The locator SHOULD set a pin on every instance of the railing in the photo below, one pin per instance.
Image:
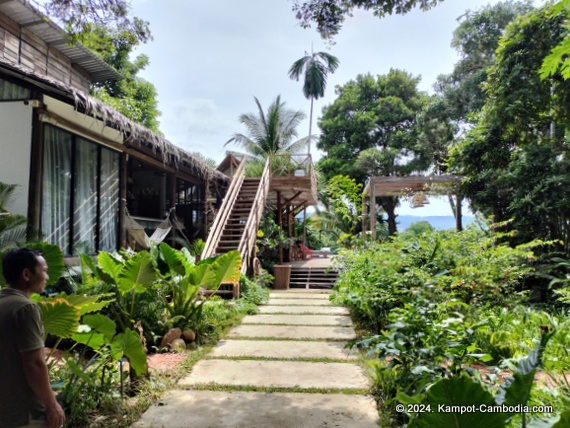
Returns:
(247, 242)
(223, 214)
(295, 165)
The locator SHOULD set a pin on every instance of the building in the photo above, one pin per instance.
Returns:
(83, 169)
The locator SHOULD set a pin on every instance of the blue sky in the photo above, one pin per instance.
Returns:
(209, 59)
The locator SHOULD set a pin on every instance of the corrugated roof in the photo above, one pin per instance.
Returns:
(30, 18)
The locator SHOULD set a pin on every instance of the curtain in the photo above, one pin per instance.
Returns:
(10, 91)
(89, 172)
(109, 196)
(85, 197)
(56, 190)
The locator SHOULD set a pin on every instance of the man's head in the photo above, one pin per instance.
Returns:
(25, 269)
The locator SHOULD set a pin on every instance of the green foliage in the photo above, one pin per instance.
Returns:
(373, 113)
(270, 132)
(418, 228)
(12, 227)
(132, 96)
(182, 282)
(343, 200)
(329, 15)
(558, 60)
(515, 158)
(315, 68)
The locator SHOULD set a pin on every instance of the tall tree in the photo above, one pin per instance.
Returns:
(329, 15)
(517, 158)
(373, 120)
(476, 40)
(272, 132)
(132, 96)
(315, 68)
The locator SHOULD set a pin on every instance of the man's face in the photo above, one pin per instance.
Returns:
(38, 277)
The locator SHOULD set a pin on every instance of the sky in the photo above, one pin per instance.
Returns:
(209, 59)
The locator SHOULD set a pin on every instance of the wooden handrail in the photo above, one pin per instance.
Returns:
(223, 214)
(247, 242)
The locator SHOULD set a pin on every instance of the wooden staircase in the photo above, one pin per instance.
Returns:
(236, 223)
(235, 226)
(312, 277)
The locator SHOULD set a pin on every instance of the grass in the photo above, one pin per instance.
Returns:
(252, 388)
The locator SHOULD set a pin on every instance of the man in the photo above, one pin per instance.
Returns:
(26, 398)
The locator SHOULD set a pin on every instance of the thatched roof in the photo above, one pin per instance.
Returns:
(132, 132)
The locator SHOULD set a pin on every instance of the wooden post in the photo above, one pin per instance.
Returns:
(36, 179)
(364, 214)
(280, 223)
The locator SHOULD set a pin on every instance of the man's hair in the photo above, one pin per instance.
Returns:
(16, 260)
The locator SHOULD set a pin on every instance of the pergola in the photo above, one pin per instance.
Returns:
(397, 186)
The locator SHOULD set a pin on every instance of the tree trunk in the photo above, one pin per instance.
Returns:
(389, 205)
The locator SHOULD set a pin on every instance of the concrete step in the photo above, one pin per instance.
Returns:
(288, 294)
(326, 310)
(183, 409)
(276, 374)
(271, 349)
(293, 332)
(298, 302)
(330, 320)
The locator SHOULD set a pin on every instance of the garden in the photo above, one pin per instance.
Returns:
(104, 322)
(456, 325)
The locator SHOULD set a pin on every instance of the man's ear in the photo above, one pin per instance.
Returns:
(26, 274)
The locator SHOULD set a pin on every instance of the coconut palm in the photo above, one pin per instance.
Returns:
(316, 67)
(272, 132)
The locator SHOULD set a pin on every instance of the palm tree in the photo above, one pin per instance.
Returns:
(272, 132)
(316, 67)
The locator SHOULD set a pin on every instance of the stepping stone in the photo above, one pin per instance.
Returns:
(281, 295)
(183, 409)
(340, 320)
(293, 349)
(325, 310)
(298, 302)
(276, 374)
(292, 332)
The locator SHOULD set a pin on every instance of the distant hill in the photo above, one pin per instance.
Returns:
(438, 222)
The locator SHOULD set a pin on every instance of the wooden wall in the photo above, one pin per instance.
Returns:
(22, 47)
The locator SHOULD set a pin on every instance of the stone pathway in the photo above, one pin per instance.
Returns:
(283, 368)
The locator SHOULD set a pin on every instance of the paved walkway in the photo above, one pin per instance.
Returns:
(283, 368)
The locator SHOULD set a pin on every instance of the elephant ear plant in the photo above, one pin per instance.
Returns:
(183, 281)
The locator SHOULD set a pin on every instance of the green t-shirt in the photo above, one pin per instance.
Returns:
(21, 329)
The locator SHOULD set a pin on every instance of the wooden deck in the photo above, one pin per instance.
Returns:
(315, 262)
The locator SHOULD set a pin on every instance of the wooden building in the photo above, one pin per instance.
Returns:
(79, 165)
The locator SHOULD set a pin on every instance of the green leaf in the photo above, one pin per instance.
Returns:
(203, 276)
(109, 265)
(458, 391)
(137, 274)
(101, 324)
(129, 344)
(85, 304)
(564, 420)
(173, 258)
(227, 268)
(59, 317)
(92, 339)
